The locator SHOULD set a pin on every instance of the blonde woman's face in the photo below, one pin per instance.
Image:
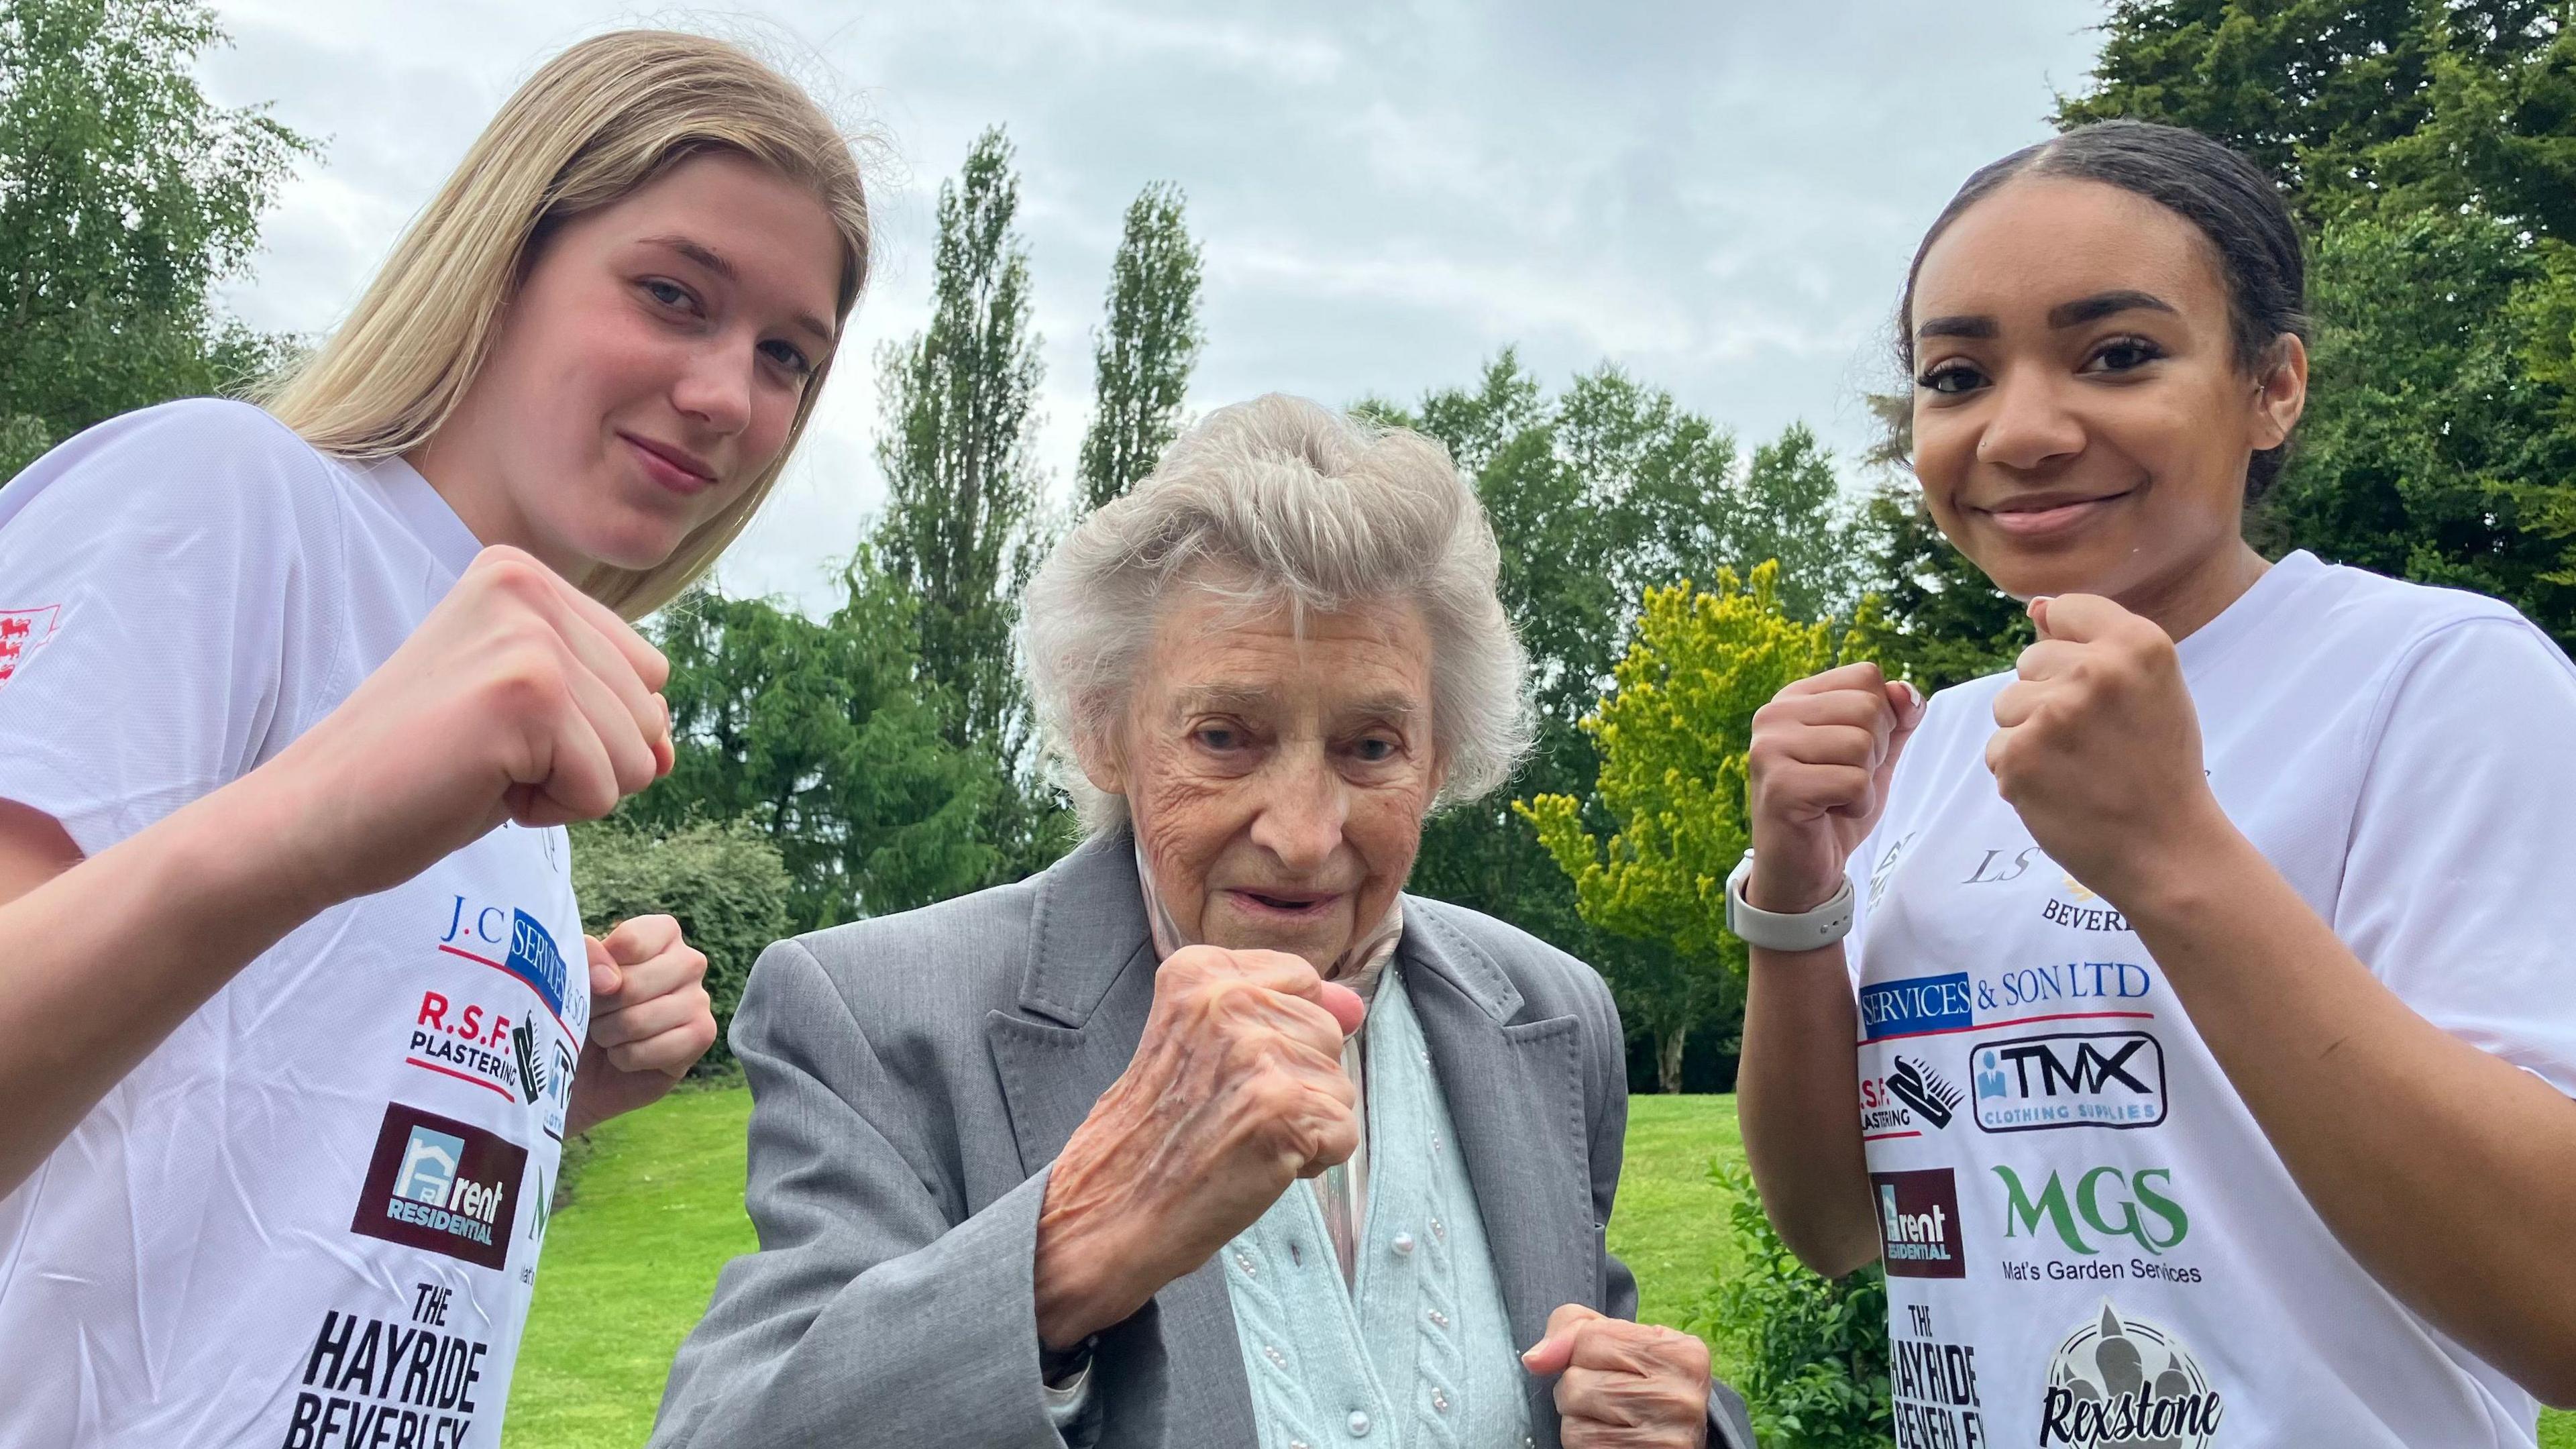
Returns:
(647, 369)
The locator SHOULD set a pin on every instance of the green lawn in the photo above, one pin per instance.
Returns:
(658, 1209)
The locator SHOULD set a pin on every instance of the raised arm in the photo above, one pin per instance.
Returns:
(2456, 1188)
(1819, 763)
(518, 698)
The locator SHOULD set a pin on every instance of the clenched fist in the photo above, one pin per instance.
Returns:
(1624, 1385)
(2097, 745)
(518, 698)
(1236, 1090)
(651, 1019)
(1817, 772)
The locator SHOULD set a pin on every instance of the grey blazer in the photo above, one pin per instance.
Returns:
(914, 1076)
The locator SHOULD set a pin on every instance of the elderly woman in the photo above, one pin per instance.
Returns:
(1209, 1135)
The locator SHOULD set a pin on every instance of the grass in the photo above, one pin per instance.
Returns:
(658, 1210)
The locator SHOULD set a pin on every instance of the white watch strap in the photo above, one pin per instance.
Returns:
(1776, 931)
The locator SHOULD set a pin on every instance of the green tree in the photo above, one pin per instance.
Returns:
(1597, 494)
(1672, 735)
(1592, 494)
(1790, 509)
(1142, 358)
(2311, 90)
(814, 733)
(2438, 443)
(961, 529)
(125, 195)
(723, 882)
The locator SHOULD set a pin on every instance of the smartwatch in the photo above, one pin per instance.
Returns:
(1774, 931)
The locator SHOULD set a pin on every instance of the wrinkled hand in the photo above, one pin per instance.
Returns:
(1624, 1385)
(1816, 772)
(650, 1021)
(1236, 1090)
(2098, 747)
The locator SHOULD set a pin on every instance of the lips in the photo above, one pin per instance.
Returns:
(673, 468)
(2046, 514)
(1285, 903)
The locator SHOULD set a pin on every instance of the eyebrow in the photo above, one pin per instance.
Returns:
(1232, 698)
(2063, 315)
(706, 257)
(2104, 304)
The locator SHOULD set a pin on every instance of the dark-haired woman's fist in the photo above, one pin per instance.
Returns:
(1816, 774)
(2097, 745)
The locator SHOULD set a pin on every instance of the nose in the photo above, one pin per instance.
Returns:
(2030, 423)
(715, 387)
(1302, 810)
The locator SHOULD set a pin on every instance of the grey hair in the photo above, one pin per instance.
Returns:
(1280, 500)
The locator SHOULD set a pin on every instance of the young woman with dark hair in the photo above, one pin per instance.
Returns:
(2199, 1062)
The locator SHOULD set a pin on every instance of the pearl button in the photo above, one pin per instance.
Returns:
(1403, 1243)
(1359, 1424)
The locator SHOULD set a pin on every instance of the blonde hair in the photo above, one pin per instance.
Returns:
(599, 121)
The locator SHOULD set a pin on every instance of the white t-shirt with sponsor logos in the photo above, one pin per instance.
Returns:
(311, 1217)
(2088, 1238)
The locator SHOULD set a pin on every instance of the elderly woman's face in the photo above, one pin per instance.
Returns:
(1278, 776)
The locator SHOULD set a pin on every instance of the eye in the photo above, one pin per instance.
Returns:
(1375, 749)
(668, 293)
(1220, 738)
(2123, 354)
(786, 356)
(1951, 378)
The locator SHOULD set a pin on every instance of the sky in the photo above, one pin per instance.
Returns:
(1719, 198)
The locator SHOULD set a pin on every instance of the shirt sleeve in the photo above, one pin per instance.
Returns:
(154, 574)
(2459, 887)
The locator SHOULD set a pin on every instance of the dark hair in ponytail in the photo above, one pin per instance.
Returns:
(2234, 205)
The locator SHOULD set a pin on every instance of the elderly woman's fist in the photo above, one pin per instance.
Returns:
(1235, 1091)
(1623, 1385)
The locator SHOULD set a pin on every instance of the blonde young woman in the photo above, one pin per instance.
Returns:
(293, 706)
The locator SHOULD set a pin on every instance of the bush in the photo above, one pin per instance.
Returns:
(724, 883)
(1813, 1352)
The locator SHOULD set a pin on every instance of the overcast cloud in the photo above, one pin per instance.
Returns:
(1720, 198)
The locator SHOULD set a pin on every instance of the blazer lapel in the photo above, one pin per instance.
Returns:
(1515, 1093)
(1082, 1010)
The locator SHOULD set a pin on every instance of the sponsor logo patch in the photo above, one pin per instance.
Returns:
(441, 1185)
(1933, 1387)
(1918, 1224)
(1915, 1006)
(2104, 1206)
(2110, 1079)
(1909, 1099)
(370, 1380)
(22, 633)
(2126, 1383)
(2065, 981)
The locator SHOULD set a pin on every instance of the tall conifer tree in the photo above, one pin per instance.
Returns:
(961, 525)
(1144, 353)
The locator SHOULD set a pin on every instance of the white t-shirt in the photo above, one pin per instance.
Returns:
(311, 1217)
(2081, 1221)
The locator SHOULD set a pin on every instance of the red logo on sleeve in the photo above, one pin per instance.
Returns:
(22, 633)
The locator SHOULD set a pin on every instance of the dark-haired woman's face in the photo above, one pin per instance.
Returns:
(2081, 424)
